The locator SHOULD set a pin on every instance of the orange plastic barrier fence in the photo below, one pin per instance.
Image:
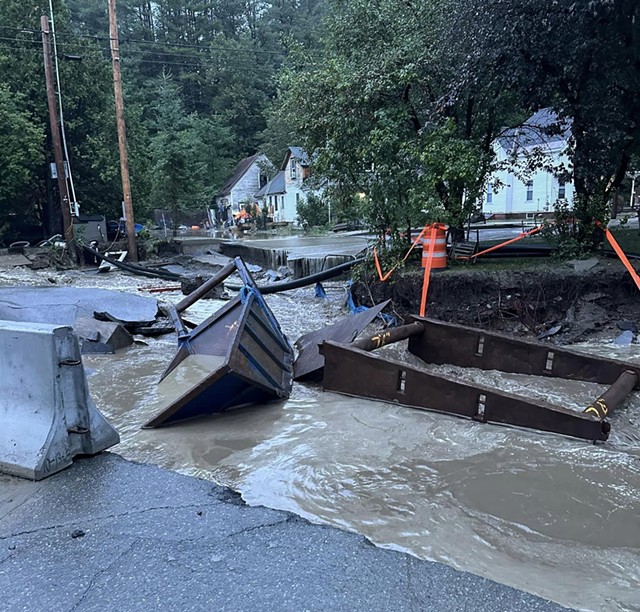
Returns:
(427, 268)
(623, 258)
(511, 241)
(384, 277)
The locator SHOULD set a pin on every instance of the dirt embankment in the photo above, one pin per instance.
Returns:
(549, 300)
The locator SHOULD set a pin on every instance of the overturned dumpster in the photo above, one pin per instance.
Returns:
(353, 370)
(46, 414)
(236, 357)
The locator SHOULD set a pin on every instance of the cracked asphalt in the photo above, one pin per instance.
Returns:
(108, 534)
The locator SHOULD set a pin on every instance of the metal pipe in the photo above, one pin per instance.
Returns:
(203, 289)
(395, 334)
(307, 280)
(610, 399)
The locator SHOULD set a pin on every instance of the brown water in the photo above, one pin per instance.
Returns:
(551, 515)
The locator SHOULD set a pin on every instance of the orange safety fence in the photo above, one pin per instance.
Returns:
(623, 258)
(427, 268)
(510, 241)
(384, 277)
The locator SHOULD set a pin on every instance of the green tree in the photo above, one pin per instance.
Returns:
(21, 157)
(580, 58)
(385, 112)
(185, 165)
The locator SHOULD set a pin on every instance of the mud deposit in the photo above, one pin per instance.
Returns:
(526, 302)
(554, 516)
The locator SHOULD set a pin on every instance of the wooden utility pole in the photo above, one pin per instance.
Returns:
(55, 138)
(122, 135)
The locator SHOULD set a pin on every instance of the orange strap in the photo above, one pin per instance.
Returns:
(427, 270)
(512, 240)
(623, 258)
(384, 277)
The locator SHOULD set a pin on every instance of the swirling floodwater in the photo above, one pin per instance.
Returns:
(551, 515)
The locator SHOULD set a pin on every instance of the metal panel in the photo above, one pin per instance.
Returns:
(355, 372)
(448, 343)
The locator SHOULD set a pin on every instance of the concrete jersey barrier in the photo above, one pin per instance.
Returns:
(46, 414)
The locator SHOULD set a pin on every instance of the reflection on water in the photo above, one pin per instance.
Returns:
(554, 516)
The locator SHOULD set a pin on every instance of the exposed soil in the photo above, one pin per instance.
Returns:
(544, 300)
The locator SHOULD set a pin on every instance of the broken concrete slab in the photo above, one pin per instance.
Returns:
(64, 305)
(101, 336)
(14, 260)
(212, 259)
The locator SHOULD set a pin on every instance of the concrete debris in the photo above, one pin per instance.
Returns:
(310, 363)
(583, 265)
(101, 336)
(14, 260)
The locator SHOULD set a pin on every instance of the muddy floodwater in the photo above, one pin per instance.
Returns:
(551, 515)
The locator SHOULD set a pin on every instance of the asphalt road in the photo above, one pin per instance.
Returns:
(108, 535)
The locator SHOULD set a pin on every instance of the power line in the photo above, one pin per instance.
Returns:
(132, 60)
(151, 42)
(203, 57)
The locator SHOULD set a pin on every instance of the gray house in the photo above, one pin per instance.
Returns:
(247, 178)
(286, 189)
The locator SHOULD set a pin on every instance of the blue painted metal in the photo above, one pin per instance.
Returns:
(255, 365)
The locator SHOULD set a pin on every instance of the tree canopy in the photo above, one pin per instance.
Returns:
(219, 58)
(398, 102)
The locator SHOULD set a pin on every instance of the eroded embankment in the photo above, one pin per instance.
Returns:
(527, 301)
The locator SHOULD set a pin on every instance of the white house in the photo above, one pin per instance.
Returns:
(247, 178)
(513, 191)
(286, 189)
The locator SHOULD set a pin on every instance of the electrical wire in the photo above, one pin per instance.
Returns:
(127, 41)
(132, 59)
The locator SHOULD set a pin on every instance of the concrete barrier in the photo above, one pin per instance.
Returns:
(46, 414)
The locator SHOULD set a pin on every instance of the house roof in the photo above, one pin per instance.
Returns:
(262, 192)
(297, 153)
(276, 184)
(238, 172)
(542, 129)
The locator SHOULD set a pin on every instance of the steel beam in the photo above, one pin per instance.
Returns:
(448, 343)
(357, 373)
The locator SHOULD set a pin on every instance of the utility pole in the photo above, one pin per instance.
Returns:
(122, 135)
(55, 138)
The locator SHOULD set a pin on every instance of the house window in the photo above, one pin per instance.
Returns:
(562, 189)
(529, 191)
(292, 168)
(276, 199)
(489, 193)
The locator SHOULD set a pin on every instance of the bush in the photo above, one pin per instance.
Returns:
(313, 211)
